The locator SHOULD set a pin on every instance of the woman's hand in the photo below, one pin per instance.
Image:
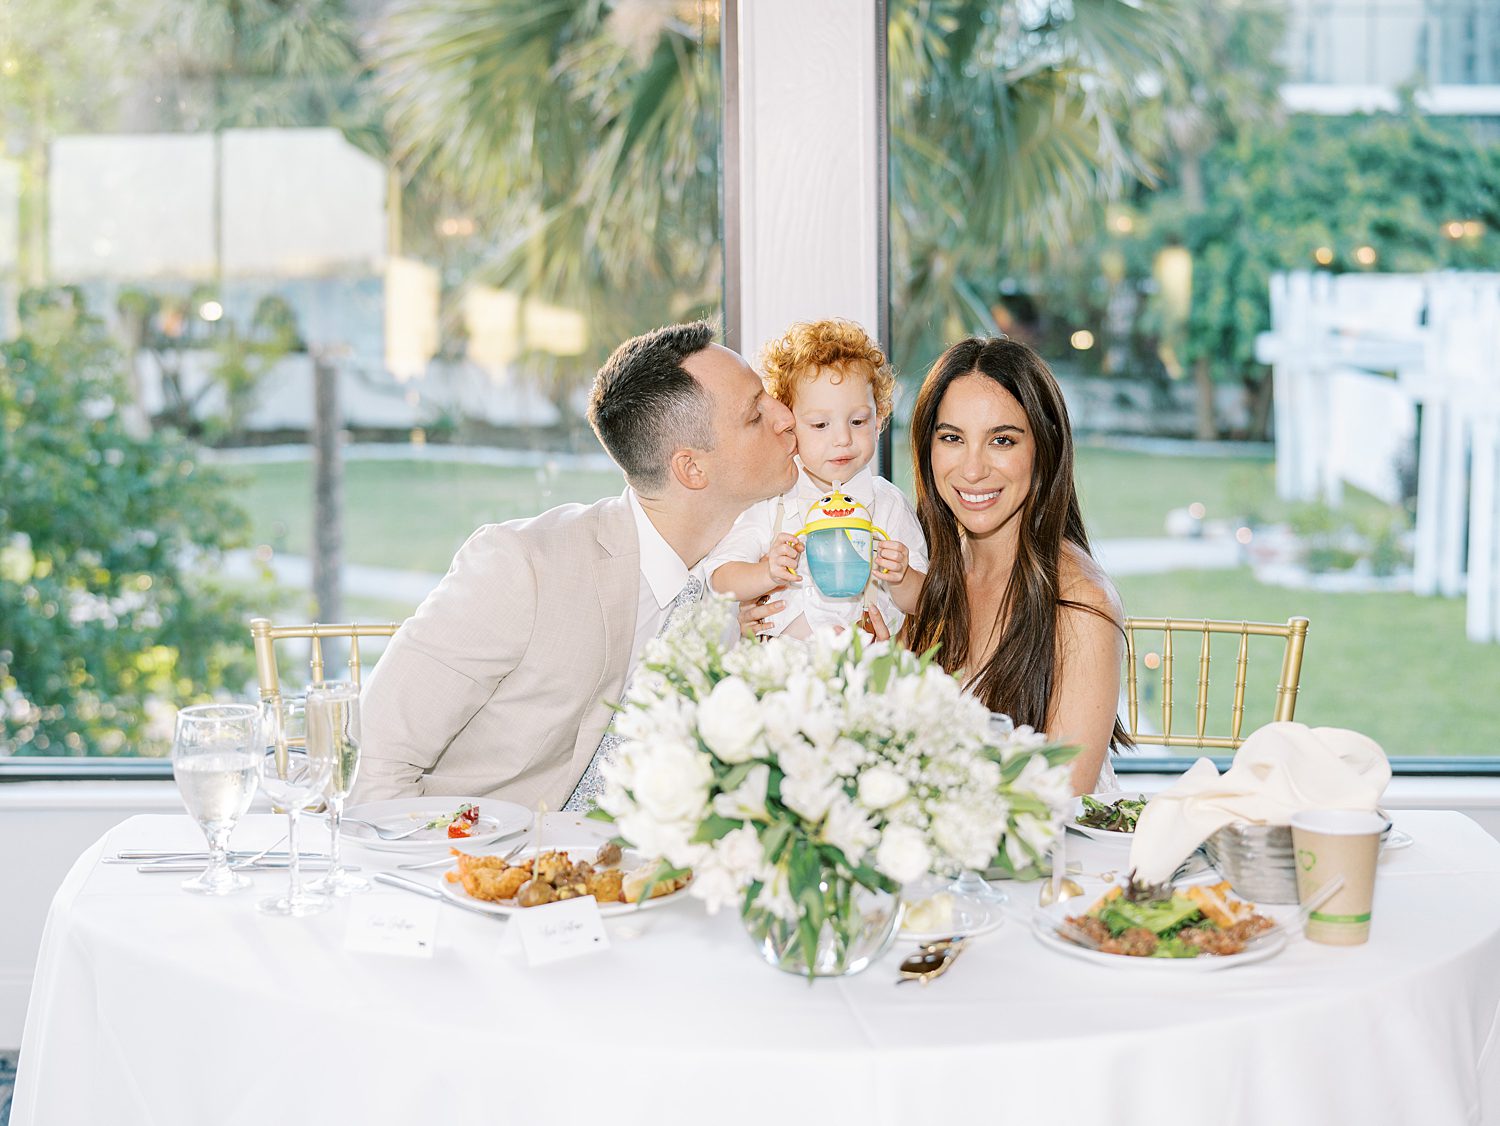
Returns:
(756, 614)
(781, 560)
(875, 622)
(891, 560)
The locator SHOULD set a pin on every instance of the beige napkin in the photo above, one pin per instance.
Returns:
(1278, 770)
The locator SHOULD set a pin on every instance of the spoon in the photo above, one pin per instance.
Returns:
(1061, 886)
(932, 960)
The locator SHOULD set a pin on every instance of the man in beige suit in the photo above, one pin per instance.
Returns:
(498, 685)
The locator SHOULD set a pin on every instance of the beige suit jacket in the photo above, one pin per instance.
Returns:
(498, 685)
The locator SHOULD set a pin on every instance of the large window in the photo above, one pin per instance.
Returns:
(229, 232)
(1130, 182)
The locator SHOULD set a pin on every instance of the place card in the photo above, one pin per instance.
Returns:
(555, 931)
(384, 924)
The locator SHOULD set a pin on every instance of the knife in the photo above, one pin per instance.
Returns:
(268, 864)
(140, 856)
(395, 881)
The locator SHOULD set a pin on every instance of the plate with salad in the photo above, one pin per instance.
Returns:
(1108, 816)
(1172, 929)
(439, 822)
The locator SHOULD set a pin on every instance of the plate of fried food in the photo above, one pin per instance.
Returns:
(1175, 929)
(619, 881)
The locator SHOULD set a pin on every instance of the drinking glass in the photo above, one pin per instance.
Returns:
(333, 723)
(213, 761)
(292, 773)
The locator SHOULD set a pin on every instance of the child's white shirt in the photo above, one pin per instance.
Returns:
(750, 539)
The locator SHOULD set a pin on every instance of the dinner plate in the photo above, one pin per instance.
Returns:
(968, 917)
(496, 819)
(1043, 926)
(1111, 835)
(628, 861)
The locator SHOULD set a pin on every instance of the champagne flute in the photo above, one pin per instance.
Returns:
(971, 885)
(213, 761)
(333, 722)
(291, 774)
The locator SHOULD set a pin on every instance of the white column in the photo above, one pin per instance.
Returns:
(806, 199)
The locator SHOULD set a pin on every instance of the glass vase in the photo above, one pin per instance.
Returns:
(851, 928)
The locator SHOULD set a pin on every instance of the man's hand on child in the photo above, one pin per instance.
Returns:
(891, 560)
(781, 560)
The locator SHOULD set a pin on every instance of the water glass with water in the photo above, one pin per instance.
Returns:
(214, 762)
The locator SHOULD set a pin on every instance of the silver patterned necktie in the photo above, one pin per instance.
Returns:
(586, 794)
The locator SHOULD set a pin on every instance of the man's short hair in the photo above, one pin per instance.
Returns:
(645, 404)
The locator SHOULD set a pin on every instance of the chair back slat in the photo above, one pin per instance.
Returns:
(1293, 635)
(1166, 680)
(264, 635)
(1203, 683)
(1241, 678)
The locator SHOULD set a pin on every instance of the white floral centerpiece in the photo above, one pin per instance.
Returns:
(805, 782)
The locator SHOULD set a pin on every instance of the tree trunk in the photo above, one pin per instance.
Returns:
(1207, 426)
(328, 491)
(1261, 399)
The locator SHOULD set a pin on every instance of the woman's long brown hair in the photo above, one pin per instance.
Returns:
(1018, 679)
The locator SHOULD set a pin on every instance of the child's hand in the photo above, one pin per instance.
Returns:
(891, 561)
(781, 560)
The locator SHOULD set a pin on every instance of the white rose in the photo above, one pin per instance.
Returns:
(672, 839)
(716, 886)
(671, 782)
(966, 834)
(747, 801)
(903, 854)
(808, 797)
(740, 852)
(729, 721)
(881, 786)
(847, 829)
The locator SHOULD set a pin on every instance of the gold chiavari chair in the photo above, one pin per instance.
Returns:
(265, 635)
(1293, 634)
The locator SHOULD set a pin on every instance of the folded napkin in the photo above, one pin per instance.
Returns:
(1278, 770)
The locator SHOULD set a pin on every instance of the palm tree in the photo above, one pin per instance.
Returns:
(585, 131)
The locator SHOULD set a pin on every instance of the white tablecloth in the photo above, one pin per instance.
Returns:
(152, 1006)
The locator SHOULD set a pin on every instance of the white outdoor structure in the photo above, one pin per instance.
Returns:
(1340, 416)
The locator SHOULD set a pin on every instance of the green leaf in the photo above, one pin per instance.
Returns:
(715, 827)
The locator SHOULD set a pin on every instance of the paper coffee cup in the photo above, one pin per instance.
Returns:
(1337, 842)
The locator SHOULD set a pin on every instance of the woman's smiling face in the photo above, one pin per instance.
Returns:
(982, 452)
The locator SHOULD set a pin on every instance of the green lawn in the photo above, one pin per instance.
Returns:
(411, 515)
(1395, 666)
(414, 514)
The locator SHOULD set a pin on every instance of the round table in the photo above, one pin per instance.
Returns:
(153, 1006)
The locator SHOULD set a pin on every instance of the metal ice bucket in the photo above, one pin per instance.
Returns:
(1257, 859)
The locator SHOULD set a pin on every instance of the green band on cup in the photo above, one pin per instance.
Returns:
(1319, 917)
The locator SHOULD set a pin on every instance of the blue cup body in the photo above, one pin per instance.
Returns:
(839, 561)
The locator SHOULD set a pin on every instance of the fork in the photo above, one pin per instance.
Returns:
(386, 834)
(444, 860)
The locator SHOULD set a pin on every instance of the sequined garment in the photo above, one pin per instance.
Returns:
(586, 794)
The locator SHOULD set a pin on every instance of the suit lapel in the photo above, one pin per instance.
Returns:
(617, 581)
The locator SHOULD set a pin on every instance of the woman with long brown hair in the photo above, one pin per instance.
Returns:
(1013, 599)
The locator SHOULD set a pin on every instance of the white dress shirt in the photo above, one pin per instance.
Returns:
(663, 575)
